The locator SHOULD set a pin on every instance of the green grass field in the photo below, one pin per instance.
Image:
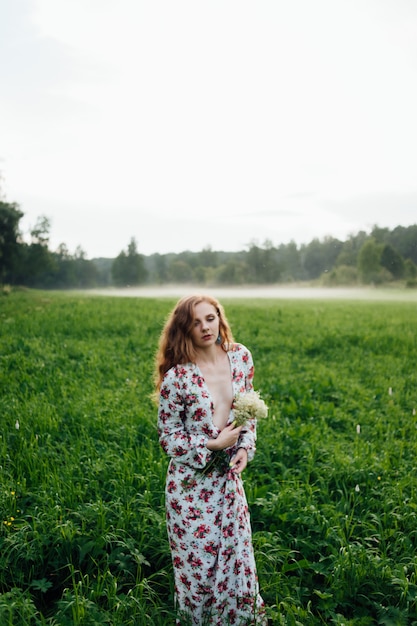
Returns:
(332, 489)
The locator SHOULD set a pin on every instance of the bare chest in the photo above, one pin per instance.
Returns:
(219, 383)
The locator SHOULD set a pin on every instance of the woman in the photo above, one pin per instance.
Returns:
(199, 371)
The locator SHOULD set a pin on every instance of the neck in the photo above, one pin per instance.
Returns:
(208, 356)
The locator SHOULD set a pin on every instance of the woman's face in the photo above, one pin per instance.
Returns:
(205, 328)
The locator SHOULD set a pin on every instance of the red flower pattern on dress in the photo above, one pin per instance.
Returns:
(207, 515)
(202, 531)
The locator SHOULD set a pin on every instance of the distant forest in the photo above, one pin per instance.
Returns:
(379, 257)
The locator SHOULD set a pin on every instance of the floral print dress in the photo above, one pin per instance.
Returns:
(207, 513)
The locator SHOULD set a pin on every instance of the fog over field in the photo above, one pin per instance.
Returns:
(278, 292)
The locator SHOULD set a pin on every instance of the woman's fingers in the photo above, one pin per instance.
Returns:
(229, 435)
(239, 461)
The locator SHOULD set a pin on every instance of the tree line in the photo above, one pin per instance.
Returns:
(377, 257)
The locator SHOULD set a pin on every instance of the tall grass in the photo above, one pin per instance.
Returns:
(332, 489)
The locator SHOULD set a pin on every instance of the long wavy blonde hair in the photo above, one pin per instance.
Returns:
(175, 344)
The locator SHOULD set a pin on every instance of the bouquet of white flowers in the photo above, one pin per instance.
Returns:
(246, 406)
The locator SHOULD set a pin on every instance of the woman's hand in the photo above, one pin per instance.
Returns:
(239, 461)
(226, 438)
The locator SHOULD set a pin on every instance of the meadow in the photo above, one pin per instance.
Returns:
(332, 489)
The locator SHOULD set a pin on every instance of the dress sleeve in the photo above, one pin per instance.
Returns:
(247, 437)
(176, 440)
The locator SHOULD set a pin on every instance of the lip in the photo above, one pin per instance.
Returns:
(207, 337)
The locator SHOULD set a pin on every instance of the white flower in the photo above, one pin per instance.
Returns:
(390, 391)
(248, 406)
(357, 489)
(17, 425)
(358, 429)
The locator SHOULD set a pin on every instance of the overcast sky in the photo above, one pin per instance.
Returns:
(187, 124)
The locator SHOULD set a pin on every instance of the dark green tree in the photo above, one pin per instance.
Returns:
(289, 259)
(392, 261)
(180, 272)
(381, 235)
(404, 240)
(10, 215)
(350, 249)
(369, 262)
(85, 271)
(254, 260)
(39, 266)
(271, 268)
(128, 268)
(65, 273)
(207, 257)
(320, 256)
(160, 268)
(410, 269)
(202, 274)
(231, 273)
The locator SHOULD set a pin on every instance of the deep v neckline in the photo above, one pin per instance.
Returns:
(210, 396)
